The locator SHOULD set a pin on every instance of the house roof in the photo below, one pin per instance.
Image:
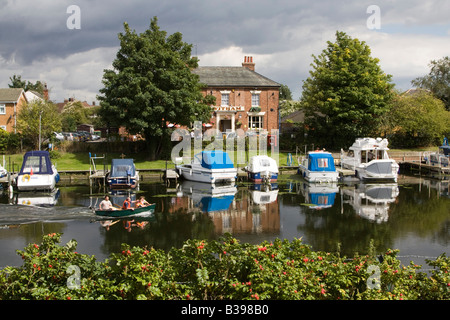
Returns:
(10, 94)
(232, 77)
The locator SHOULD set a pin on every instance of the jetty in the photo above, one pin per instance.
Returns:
(96, 175)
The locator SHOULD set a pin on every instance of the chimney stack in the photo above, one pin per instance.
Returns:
(248, 63)
(45, 92)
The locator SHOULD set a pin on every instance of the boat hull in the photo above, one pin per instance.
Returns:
(37, 182)
(201, 174)
(127, 212)
(262, 176)
(375, 170)
(318, 176)
(123, 182)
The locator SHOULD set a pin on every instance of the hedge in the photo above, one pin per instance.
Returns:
(220, 269)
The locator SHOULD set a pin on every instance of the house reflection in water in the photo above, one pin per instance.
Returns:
(237, 211)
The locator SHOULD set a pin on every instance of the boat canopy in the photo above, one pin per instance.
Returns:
(321, 161)
(214, 159)
(36, 162)
(122, 168)
(262, 163)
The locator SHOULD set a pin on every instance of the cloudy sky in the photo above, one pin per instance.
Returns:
(47, 40)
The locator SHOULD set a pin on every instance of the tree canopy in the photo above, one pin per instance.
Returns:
(345, 94)
(17, 82)
(437, 80)
(417, 118)
(151, 85)
(28, 120)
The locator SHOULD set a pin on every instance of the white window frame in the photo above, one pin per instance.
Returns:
(3, 127)
(2, 106)
(256, 94)
(259, 124)
(225, 98)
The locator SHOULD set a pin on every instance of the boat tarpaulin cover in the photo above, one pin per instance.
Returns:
(122, 168)
(36, 162)
(215, 159)
(321, 161)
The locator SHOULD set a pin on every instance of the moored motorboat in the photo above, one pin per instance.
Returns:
(369, 159)
(123, 174)
(441, 157)
(210, 167)
(262, 168)
(318, 166)
(37, 172)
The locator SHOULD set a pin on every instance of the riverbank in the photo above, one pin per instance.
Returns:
(79, 161)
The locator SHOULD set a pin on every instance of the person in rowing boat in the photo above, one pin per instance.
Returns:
(106, 204)
(127, 204)
(142, 202)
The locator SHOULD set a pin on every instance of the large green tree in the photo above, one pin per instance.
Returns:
(437, 80)
(38, 116)
(74, 114)
(417, 118)
(345, 94)
(151, 86)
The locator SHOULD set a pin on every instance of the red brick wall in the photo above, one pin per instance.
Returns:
(268, 100)
(8, 118)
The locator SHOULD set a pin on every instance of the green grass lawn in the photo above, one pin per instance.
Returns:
(80, 161)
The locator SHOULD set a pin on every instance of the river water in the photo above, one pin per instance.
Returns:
(412, 215)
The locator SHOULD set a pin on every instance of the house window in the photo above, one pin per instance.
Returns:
(3, 127)
(2, 108)
(255, 122)
(255, 99)
(225, 98)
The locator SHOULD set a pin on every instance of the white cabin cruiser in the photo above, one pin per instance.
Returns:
(210, 167)
(369, 158)
(262, 168)
(37, 172)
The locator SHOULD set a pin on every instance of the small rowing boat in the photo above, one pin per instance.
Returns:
(120, 213)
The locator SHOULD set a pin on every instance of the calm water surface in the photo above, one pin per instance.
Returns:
(412, 216)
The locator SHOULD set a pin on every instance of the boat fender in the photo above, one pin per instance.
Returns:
(26, 177)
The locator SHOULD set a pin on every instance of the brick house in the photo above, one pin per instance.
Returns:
(11, 101)
(244, 98)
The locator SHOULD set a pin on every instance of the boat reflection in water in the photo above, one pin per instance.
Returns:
(243, 211)
(208, 197)
(37, 199)
(372, 201)
(319, 195)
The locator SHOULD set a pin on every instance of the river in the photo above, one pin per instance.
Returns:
(411, 215)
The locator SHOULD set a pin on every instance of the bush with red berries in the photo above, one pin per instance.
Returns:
(222, 269)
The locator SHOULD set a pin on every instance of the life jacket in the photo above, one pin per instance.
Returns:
(126, 204)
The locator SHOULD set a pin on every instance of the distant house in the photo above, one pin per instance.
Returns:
(244, 98)
(11, 101)
(289, 122)
(85, 104)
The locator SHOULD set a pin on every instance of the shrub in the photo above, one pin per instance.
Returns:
(222, 269)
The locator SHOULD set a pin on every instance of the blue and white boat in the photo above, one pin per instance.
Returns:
(262, 168)
(123, 174)
(210, 167)
(37, 172)
(440, 158)
(318, 166)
